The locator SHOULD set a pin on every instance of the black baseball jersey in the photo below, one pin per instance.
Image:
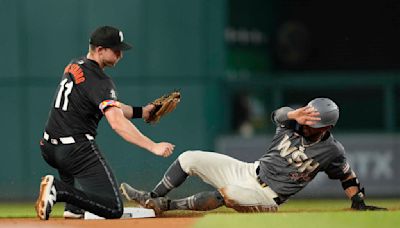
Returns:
(291, 162)
(81, 97)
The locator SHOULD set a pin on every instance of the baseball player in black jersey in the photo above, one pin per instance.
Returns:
(302, 147)
(85, 94)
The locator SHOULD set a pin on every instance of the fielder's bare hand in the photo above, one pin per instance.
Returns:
(305, 116)
(147, 110)
(163, 149)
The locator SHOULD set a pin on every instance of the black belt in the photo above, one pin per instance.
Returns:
(68, 139)
(264, 185)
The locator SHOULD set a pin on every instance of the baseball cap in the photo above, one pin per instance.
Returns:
(109, 37)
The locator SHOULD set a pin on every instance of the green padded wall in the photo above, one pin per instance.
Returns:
(177, 45)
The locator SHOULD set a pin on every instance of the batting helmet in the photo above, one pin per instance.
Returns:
(328, 110)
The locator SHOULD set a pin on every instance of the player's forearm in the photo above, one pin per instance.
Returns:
(127, 110)
(123, 127)
(351, 191)
(282, 114)
(352, 187)
(131, 112)
(130, 133)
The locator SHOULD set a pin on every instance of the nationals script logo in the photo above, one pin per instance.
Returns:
(296, 157)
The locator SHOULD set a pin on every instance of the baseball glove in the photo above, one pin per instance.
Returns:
(164, 105)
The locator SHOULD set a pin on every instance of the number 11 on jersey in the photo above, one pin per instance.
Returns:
(68, 88)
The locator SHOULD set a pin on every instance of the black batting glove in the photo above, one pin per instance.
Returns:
(357, 203)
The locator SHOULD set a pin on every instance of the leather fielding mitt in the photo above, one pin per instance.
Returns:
(164, 105)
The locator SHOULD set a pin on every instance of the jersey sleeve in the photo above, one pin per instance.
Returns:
(105, 96)
(339, 168)
(279, 117)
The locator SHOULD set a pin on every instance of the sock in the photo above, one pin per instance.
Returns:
(203, 201)
(173, 178)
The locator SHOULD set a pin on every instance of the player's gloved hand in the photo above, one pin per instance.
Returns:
(357, 203)
(147, 110)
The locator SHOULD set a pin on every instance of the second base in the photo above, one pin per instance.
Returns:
(129, 212)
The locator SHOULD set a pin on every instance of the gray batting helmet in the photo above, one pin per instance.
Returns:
(328, 110)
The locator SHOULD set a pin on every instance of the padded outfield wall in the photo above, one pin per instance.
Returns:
(177, 45)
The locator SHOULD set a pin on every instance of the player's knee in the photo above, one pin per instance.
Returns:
(187, 160)
(115, 213)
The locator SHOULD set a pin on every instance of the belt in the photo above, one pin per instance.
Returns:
(264, 185)
(68, 139)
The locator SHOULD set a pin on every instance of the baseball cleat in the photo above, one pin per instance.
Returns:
(72, 215)
(132, 194)
(47, 197)
(159, 205)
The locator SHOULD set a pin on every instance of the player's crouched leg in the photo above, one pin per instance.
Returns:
(116, 212)
(114, 215)
(106, 206)
(247, 200)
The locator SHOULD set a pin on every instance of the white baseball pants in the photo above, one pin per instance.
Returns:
(236, 180)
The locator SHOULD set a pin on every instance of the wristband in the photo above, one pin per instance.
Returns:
(137, 112)
(350, 183)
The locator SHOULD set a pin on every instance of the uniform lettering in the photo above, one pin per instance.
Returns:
(284, 147)
(297, 156)
(67, 89)
(76, 71)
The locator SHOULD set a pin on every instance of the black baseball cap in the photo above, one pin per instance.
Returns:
(109, 37)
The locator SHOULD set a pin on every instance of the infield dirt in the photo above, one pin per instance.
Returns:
(175, 222)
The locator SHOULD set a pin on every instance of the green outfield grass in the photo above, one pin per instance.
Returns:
(303, 219)
(294, 213)
(310, 213)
